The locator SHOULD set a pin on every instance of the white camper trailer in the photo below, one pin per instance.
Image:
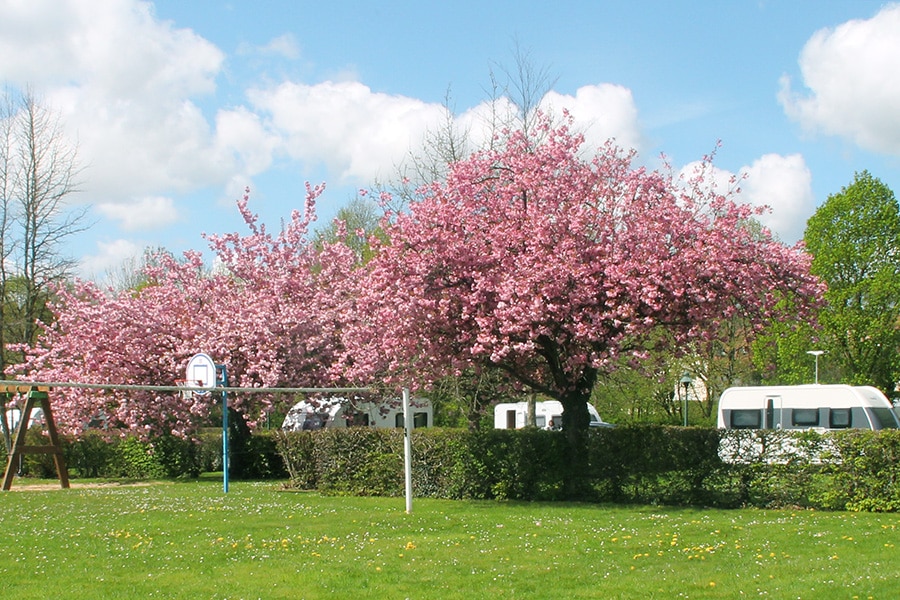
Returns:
(822, 407)
(13, 416)
(344, 412)
(547, 415)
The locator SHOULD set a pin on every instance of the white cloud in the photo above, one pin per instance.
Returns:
(149, 212)
(783, 183)
(602, 112)
(111, 256)
(285, 46)
(359, 134)
(780, 184)
(243, 132)
(131, 88)
(364, 135)
(853, 88)
(127, 86)
(476, 124)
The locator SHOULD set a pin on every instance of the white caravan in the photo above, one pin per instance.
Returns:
(13, 416)
(547, 415)
(344, 412)
(821, 407)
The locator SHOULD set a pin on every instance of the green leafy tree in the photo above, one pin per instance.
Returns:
(854, 238)
(353, 225)
(463, 399)
(781, 355)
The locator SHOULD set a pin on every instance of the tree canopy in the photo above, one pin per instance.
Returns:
(534, 260)
(854, 237)
(266, 311)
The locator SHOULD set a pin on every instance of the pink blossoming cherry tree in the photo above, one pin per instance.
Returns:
(546, 263)
(268, 311)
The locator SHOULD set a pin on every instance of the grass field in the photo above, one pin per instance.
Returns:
(190, 540)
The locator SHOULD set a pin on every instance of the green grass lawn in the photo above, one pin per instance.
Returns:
(190, 540)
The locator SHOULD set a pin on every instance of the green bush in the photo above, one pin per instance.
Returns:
(261, 459)
(99, 453)
(654, 464)
(865, 471)
(91, 455)
(135, 459)
(360, 461)
(38, 465)
(298, 451)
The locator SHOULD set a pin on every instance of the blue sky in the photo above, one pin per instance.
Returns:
(176, 105)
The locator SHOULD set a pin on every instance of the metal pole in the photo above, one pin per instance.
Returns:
(182, 388)
(686, 382)
(224, 428)
(816, 354)
(407, 449)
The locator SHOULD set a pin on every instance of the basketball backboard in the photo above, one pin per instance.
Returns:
(201, 371)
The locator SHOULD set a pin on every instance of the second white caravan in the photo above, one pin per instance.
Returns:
(547, 415)
(816, 406)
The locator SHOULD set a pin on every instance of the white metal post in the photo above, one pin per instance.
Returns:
(407, 449)
(225, 451)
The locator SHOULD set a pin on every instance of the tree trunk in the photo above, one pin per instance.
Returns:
(576, 424)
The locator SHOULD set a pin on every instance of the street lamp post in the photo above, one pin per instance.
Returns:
(686, 381)
(817, 354)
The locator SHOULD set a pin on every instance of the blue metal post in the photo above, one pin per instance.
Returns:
(224, 428)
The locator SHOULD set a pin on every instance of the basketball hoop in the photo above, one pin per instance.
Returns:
(201, 371)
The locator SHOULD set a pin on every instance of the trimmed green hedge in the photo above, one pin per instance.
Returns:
(635, 464)
(852, 470)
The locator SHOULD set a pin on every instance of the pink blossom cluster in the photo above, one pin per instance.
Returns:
(266, 312)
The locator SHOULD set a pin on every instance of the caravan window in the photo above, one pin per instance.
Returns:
(805, 417)
(883, 418)
(314, 421)
(420, 419)
(745, 419)
(839, 418)
(357, 419)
